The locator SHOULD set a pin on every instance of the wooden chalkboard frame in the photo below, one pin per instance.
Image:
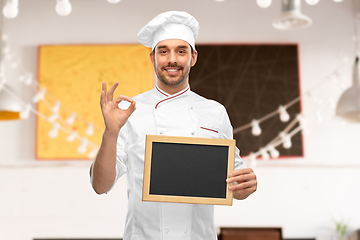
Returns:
(179, 142)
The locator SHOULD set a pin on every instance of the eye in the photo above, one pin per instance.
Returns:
(182, 51)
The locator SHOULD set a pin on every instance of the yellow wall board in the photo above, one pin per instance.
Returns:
(73, 74)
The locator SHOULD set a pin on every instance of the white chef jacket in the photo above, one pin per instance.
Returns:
(182, 114)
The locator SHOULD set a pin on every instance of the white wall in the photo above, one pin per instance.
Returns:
(54, 199)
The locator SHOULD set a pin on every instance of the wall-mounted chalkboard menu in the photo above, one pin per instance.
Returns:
(188, 170)
(251, 81)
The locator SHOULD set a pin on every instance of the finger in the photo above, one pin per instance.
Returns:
(240, 172)
(123, 98)
(242, 178)
(243, 186)
(132, 107)
(103, 94)
(104, 86)
(110, 94)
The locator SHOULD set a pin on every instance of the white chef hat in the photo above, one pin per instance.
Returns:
(169, 25)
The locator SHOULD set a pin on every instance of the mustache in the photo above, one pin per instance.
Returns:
(173, 65)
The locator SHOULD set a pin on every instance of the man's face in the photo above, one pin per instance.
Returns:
(172, 62)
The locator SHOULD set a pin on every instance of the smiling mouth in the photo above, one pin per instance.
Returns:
(172, 70)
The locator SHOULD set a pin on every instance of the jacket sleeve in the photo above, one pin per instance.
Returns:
(121, 152)
(227, 133)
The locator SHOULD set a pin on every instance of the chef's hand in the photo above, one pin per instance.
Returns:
(114, 117)
(246, 183)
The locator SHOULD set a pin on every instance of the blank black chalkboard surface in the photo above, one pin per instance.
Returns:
(188, 170)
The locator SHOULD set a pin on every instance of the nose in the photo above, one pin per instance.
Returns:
(172, 57)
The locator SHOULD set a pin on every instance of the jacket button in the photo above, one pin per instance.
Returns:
(192, 133)
(166, 230)
(185, 231)
(160, 132)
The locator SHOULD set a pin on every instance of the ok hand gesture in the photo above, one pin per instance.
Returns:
(114, 117)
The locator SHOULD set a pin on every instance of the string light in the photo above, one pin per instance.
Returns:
(312, 2)
(284, 116)
(286, 140)
(56, 107)
(72, 136)
(264, 154)
(263, 3)
(26, 112)
(39, 95)
(273, 152)
(53, 117)
(26, 78)
(54, 131)
(70, 120)
(63, 7)
(11, 9)
(93, 153)
(90, 129)
(256, 130)
(82, 147)
(303, 124)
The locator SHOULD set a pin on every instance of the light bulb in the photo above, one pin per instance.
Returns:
(263, 3)
(256, 130)
(39, 95)
(302, 124)
(113, 1)
(63, 7)
(312, 2)
(287, 143)
(92, 154)
(71, 119)
(90, 129)
(11, 9)
(53, 117)
(56, 107)
(286, 140)
(26, 112)
(71, 136)
(284, 116)
(273, 152)
(82, 147)
(264, 154)
(54, 131)
(28, 79)
(338, 0)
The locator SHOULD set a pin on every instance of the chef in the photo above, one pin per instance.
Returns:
(171, 109)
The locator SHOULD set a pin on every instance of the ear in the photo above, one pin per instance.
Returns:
(152, 57)
(194, 58)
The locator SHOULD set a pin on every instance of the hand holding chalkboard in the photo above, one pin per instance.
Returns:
(246, 183)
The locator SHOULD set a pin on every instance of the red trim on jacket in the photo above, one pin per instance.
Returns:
(172, 97)
(209, 129)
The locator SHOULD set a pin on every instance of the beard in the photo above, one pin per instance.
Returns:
(171, 80)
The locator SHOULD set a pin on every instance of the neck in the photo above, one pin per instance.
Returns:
(172, 89)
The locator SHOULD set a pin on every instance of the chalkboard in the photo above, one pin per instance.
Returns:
(188, 170)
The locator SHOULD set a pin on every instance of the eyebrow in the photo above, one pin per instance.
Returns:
(180, 46)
